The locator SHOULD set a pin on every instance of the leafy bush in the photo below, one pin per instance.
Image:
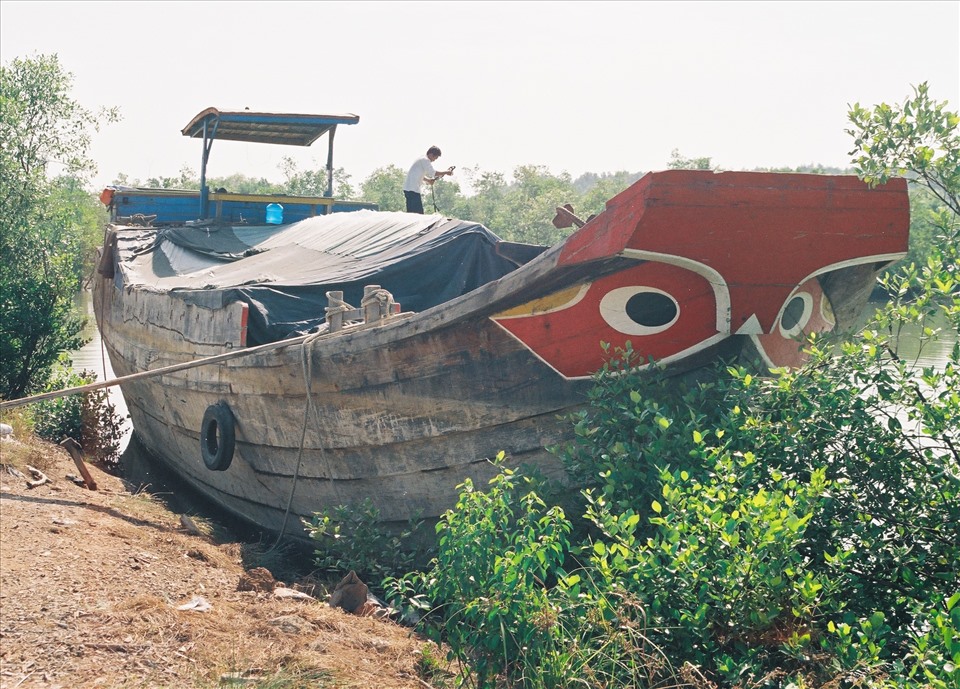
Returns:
(352, 537)
(89, 418)
(934, 657)
(630, 429)
(496, 552)
(509, 611)
(48, 226)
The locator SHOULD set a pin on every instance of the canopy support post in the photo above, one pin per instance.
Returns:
(329, 192)
(208, 136)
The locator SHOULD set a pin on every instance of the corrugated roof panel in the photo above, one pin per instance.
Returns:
(288, 129)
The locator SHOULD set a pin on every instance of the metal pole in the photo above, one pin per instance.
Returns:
(208, 137)
(329, 193)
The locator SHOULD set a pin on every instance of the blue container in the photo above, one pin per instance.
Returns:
(274, 214)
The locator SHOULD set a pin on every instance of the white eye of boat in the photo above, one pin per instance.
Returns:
(797, 314)
(639, 310)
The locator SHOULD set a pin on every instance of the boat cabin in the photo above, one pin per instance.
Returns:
(179, 206)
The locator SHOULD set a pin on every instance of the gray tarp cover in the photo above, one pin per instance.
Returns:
(283, 272)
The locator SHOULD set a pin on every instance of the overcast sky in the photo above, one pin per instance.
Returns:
(573, 86)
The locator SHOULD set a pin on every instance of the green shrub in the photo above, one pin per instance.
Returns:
(934, 657)
(497, 553)
(352, 537)
(89, 418)
(509, 611)
(821, 500)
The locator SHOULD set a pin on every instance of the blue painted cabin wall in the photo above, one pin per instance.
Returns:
(170, 207)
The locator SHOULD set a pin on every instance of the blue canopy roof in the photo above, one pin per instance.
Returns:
(264, 127)
(261, 127)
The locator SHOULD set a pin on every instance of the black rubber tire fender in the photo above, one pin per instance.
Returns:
(217, 436)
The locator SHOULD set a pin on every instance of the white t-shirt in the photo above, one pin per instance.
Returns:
(422, 168)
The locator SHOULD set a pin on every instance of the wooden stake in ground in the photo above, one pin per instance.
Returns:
(73, 447)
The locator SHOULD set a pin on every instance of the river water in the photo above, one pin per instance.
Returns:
(92, 357)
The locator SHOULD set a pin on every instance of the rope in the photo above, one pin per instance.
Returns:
(215, 359)
(103, 345)
(380, 296)
(306, 362)
(336, 306)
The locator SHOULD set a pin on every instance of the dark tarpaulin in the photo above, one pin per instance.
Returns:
(283, 273)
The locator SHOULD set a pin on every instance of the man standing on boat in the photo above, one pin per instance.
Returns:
(422, 171)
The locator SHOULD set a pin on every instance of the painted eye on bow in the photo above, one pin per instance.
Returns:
(808, 310)
(797, 314)
(800, 309)
(571, 330)
(639, 310)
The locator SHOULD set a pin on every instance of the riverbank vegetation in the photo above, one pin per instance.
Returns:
(50, 227)
(800, 530)
(796, 530)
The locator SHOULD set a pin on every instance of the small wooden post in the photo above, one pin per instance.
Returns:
(73, 447)
(371, 307)
(335, 318)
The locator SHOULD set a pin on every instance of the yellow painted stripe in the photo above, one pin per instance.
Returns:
(551, 302)
(259, 198)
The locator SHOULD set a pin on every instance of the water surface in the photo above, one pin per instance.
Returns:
(93, 357)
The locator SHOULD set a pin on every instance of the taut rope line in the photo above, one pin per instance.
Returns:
(215, 359)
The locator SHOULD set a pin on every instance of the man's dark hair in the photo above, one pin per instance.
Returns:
(434, 150)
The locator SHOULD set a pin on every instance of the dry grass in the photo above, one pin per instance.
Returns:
(91, 583)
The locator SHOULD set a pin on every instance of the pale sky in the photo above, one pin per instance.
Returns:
(572, 86)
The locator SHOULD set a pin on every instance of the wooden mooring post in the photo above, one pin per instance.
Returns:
(73, 447)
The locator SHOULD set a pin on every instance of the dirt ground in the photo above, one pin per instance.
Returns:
(110, 589)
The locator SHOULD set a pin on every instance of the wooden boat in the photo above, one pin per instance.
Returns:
(389, 356)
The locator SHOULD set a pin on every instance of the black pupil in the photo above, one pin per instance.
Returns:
(792, 314)
(651, 309)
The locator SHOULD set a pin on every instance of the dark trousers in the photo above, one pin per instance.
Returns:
(414, 202)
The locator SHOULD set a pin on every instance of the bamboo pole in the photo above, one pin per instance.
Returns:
(215, 359)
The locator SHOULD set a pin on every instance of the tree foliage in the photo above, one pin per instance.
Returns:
(91, 418)
(916, 139)
(314, 182)
(680, 162)
(384, 187)
(48, 224)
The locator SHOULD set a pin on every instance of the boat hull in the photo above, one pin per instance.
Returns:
(400, 415)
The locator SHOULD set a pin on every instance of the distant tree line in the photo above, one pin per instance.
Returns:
(520, 208)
